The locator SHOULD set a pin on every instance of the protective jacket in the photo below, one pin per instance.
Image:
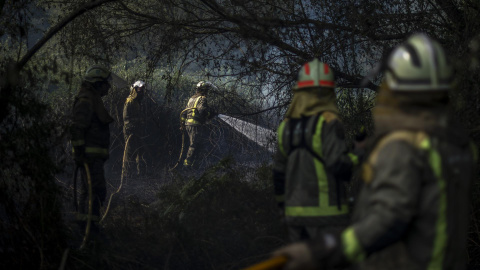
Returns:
(197, 111)
(132, 112)
(415, 202)
(310, 165)
(134, 131)
(90, 126)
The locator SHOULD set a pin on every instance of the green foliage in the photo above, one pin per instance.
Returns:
(33, 233)
(355, 107)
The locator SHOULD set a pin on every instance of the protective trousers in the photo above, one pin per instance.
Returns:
(198, 139)
(134, 154)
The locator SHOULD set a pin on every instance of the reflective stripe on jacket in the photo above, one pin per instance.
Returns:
(413, 211)
(311, 161)
(197, 111)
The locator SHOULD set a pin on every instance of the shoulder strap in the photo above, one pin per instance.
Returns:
(194, 108)
(329, 116)
(314, 136)
(309, 137)
(414, 138)
(280, 134)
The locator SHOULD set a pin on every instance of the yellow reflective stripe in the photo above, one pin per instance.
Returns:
(195, 106)
(78, 142)
(317, 137)
(187, 163)
(352, 249)
(315, 211)
(280, 198)
(280, 130)
(440, 241)
(321, 175)
(193, 121)
(96, 150)
(322, 185)
(353, 158)
(323, 208)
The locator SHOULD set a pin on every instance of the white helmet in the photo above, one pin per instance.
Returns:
(138, 84)
(314, 74)
(418, 64)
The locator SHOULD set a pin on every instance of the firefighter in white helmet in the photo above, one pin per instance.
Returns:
(413, 210)
(134, 131)
(312, 161)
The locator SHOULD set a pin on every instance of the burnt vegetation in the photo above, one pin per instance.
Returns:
(224, 217)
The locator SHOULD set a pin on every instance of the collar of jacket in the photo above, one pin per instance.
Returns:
(411, 111)
(311, 101)
(88, 91)
(430, 120)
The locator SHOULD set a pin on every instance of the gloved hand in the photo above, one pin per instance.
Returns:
(79, 155)
(323, 252)
(299, 256)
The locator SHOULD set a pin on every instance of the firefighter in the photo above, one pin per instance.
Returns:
(133, 131)
(313, 160)
(193, 120)
(90, 138)
(413, 210)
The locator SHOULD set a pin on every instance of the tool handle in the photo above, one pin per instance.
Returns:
(270, 264)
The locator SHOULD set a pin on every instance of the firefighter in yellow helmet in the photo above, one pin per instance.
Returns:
(90, 138)
(133, 131)
(413, 210)
(194, 118)
(312, 161)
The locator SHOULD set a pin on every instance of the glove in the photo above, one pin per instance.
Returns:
(79, 155)
(299, 256)
(323, 252)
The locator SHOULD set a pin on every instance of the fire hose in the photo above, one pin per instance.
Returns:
(121, 181)
(181, 152)
(90, 205)
(183, 142)
(274, 263)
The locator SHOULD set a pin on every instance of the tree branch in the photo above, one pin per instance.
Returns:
(57, 28)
